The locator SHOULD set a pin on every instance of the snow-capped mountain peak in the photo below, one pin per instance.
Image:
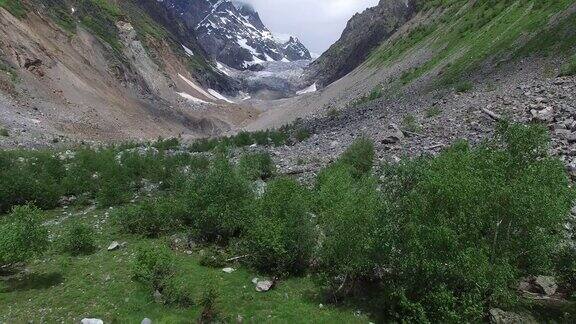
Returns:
(233, 33)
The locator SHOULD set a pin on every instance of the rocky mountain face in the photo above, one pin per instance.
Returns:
(107, 70)
(364, 32)
(232, 33)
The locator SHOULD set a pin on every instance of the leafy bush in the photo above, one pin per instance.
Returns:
(349, 211)
(242, 139)
(151, 218)
(22, 235)
(410, 124)
(464, 86)
(255, 166)
(29, 178)
(360, 156)
(213, 257)
(153, 266)
(218, 202)
(433, 112)
(179, 290)
(281, 238)
(455, 231)
(569, 68)
(78, 239)
(167, 144)
(301, 134)
(209, 302)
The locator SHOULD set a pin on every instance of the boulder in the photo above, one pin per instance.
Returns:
(228, 270)
(146, 321)
(91, 321)
(264, 285)
(544, 115)
(114, 246)
(546, 285)
(498, 316)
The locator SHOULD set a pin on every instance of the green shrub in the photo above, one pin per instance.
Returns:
(167, 144)
(349, 211)
(281, 238)
(204, 145)
(218, 202)
(465, 86)
(433, 112)
(179, 290)
(261, 137)
(213, 257)
(15, 7)
(209, 303)
(151, 218)
(569, 68)
(445, 238)
(470, 222)
(255, 166)
(4, 132)
(78, 239)
(278, 138)
(301, 134)
(22, 235)
(30, 178)
(153, 266)
(360, 156)
(410, 124)
(243, 139)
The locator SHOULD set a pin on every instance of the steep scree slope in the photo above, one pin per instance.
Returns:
(103, 69)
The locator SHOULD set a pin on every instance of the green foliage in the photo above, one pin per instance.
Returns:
(151, 218)
(218, 202)
(4, 132)
(243, 139)
(433, 111)
(349, 210)
(360, 156)
(153, 266)
(465, 86)
(78, 239)
(15, 7)
(281, 237)
(376, 93)
(22, 235)
(209, 303)
(29, 178)
(301, 134)
(467, 35)
(569, 68)
(167, 144)
(255, 166)
(410, 124)
(178, 290)
(110, 175)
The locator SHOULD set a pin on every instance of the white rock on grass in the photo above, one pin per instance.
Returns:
(146, 321)
(92, 321)
(228, 270)
(264, 285)
(114, 246)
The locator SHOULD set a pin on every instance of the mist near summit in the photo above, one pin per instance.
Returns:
(318, 23)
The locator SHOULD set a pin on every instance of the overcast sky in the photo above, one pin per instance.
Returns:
(318, 23)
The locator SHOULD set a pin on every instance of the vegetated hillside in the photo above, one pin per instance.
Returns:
(161, 231)
(103, 69)
(446, 43)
